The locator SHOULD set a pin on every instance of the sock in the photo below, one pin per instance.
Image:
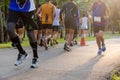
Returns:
(34, 48)
(16, 41)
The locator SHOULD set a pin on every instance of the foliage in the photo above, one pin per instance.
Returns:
(115, 77)
(83, 7)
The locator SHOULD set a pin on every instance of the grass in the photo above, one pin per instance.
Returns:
(8, 44)
(115, 77)
(25, 43)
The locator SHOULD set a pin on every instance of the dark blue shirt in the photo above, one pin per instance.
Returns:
(99, 11)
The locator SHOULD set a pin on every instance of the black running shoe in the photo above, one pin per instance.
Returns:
(67, 48)
(76, 42)
(41, 43)
(46, 47)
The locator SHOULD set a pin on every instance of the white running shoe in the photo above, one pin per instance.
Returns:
(20, 58)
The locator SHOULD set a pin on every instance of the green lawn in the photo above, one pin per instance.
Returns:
(25, 43)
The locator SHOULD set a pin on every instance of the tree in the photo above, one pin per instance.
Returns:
(1, 26)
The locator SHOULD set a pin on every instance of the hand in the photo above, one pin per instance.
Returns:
(61, 22)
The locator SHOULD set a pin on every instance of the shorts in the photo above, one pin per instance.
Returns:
(98, 28)
(27, 17)
(69, 23)
(19, 24)
(39, 24)
(47, 26)
(56, 28)
(76, 30)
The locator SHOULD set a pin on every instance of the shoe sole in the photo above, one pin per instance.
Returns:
(33, 67)
(67, 50)
(104, 50)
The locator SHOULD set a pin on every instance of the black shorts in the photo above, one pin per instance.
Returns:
(39, 24)
(76, 30)
(19, 24)
(47, 26)
(98, 28)
(27, 17)
(56, 28)
(69, 22)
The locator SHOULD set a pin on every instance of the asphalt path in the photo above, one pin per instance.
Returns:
(82, 63)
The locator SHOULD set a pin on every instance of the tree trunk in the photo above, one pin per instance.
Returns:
(1, 27)
(37, 3)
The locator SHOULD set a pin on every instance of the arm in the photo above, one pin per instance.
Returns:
(90, 9)
(61, 13)
(76, 11)
(107, 13)
(38, 11)
(54, 13)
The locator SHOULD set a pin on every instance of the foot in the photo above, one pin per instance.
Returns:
(20, 58)
(103, 48)
(46, 47)
(41, 43)
(56, 41)
(100, 51)
(76, 42)
(51, 43)
(67, 48)
(71, 45)
(34, 63)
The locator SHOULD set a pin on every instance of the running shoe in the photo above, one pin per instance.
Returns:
(99, 51)
(71, 44)
(51, 43)
(34, 63)
(45, 45)
(41, 43)
(76, 42)
(67, 48)
(20, 58)
(103, 48)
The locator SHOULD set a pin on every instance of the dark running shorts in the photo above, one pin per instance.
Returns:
(98, 28)
(76, 31)
(19, 24)
(39, 24)
(47, 26)
(69, 23)
(27, 17)
(56, 28)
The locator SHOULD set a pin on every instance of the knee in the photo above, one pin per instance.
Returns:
(10, 26)
(11, 29)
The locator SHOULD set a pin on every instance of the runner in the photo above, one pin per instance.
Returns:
(76, 29)
(47, 11)
(23, 9)
(39, 34)
(56, 24)
(84, 22)
(70, 10)
(100, 14)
